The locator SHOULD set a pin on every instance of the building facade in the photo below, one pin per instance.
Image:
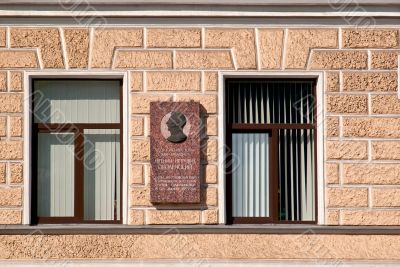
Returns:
(298, 134)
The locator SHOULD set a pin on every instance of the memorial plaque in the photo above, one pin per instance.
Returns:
(175, 152)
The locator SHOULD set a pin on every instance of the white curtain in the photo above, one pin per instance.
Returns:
(265, 102)
(102, 174)
(56, 174)
(250, 176)
(76, 101)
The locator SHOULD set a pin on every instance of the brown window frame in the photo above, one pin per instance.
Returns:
(272, 129)
(77, 129)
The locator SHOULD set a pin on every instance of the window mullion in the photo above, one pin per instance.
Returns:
(79, 170)
(274, 182)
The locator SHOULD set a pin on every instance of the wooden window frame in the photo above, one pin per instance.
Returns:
(272, 129)
(78, 130)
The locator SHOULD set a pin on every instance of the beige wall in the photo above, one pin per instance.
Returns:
(361, 123)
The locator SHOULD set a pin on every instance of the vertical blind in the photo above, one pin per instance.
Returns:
(102, 172)
(273, 102)
(270, 102)
(56, 174)
(250, 178)
(76, 101)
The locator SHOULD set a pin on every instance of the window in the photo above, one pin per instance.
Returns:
(76, 151)
(271, 133)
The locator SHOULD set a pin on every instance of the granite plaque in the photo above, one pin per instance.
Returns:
(175, 152)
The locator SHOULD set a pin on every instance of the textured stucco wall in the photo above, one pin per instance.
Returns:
(200, 247)
(361, 124)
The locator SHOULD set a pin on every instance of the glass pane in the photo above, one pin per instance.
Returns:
(102, 174)
(76, 101)
(250, 175)
(265, 101)
(296, 175)
(55, 174)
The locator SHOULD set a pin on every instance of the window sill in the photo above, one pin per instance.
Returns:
(77, 229)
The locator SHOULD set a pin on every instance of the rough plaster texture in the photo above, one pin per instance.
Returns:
(46, 39)
(241, 40)
(300, 41)
(183, 64)
(199, 246)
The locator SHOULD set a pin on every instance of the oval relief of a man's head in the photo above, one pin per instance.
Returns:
(175, 127)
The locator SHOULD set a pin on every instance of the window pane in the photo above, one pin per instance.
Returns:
(102, 174)
(270, 101)
(55, 174)
(296, 175)
(76, 101)
(250, 177)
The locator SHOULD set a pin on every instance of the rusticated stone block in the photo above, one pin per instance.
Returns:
(46, 39)
(3, 81)
(136, 217)
(3, 126)
(10, 197)
(211, 125)
(332, 81)
(16, 82)
(140, 150)
(136, 81)
(347, 150)
(347, 103)
(337, 60)
(332, 126)
(376, 173)
(77, 44)
(386, 197)
(18, 59)
(180, 38)
(133, 59)
(3, 38)
(3, 173)
(140, 196)
(10, 216)
(370, 81)
(208, 102)
(300, 41)
(211, 174)
(370, 38)
(332, 217)
(173, 216)
(11, 150)
(106, 40)
(332, 173)
(271, 47)
(204, 59)
(210, 150)
(211, 81)
(371, 127)
(384, 60)
(141, 103)
(210, 216)
(370, 217)
(137, 174)
(386, 150)
(10, 103)
(241, 40)
(16, 173)
(385, 104)
(16, 126)
(174, 81)
(211, 196)
(137, 126)
(347, 197)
